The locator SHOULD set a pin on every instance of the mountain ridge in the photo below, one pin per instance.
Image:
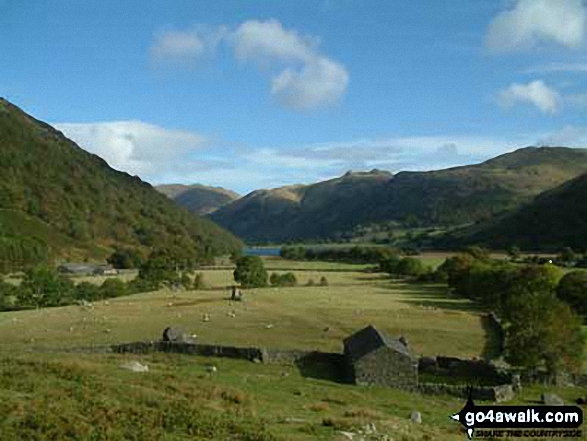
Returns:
(198, 198)
(454, 196)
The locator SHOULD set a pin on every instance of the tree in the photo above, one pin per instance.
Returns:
(43, 286)
(572, 289)
(513, 252)
(125, 258)
(544, 331)
(87, 291)
(160, 267)
(408, 266)
(113, 288)
(250, 272)
(389, 265)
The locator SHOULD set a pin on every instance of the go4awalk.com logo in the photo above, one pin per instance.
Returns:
(520, 421)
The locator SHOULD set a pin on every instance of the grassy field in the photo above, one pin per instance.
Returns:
(49, 390)
(433, 323)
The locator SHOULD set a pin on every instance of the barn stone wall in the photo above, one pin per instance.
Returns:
(386, 367)
(495, 393)
(265, 355)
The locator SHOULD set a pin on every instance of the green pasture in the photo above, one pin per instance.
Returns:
(52, 387)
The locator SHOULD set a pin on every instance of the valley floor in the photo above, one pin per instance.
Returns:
(48, 390)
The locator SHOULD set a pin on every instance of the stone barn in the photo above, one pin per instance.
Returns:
(375, 359)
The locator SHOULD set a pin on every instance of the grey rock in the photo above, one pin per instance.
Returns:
(176, 335)
(135, 366)
(416, 417)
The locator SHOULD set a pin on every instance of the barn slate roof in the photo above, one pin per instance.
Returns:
(370, 339)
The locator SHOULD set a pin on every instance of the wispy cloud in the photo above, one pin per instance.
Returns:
(568, 136)
(303, 77)
(532, 22)
(141, 149)
(535, 93)
(580, 67)
(184, 46)
(161, 155)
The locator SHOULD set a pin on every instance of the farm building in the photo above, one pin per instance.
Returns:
(375, 359)
(86, 269)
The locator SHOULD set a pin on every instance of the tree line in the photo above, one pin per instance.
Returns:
(541, 307)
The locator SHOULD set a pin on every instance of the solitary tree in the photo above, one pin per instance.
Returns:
(250, 272)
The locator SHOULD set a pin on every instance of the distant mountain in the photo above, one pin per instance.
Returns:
(448, 197)
(72, 200)
(553, 220)
(198, 198)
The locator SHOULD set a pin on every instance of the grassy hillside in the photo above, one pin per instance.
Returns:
(73, 200)
(197, 198)
(553, 220)
(448, 197)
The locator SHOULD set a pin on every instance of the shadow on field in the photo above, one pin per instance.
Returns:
(321, 366)
(433, 297)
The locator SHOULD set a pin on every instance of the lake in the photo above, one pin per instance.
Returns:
(262, 251)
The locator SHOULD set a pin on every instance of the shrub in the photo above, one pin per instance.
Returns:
(408, 266)
(7, 294)
(87, 291)
(113, 288)
(287, 279)
(310, 282)
(323, 281)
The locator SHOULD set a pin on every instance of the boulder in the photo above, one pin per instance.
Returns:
(416, 417)
(551, 399)
(176, 336)
(135, 366)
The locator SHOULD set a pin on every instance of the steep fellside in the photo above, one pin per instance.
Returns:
(553, 220)
(198, 198)
(448, 197)
(79, 202)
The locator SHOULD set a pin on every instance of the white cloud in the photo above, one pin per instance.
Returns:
(531, 22)
(303, 77)
(256, 40)
(311, 80)
(136, 147)
(161, 155)
(186, 45)
(536, 93)
(326, 160)
(320, 82)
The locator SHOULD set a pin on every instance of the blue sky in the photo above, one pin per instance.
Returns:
(251, 94)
